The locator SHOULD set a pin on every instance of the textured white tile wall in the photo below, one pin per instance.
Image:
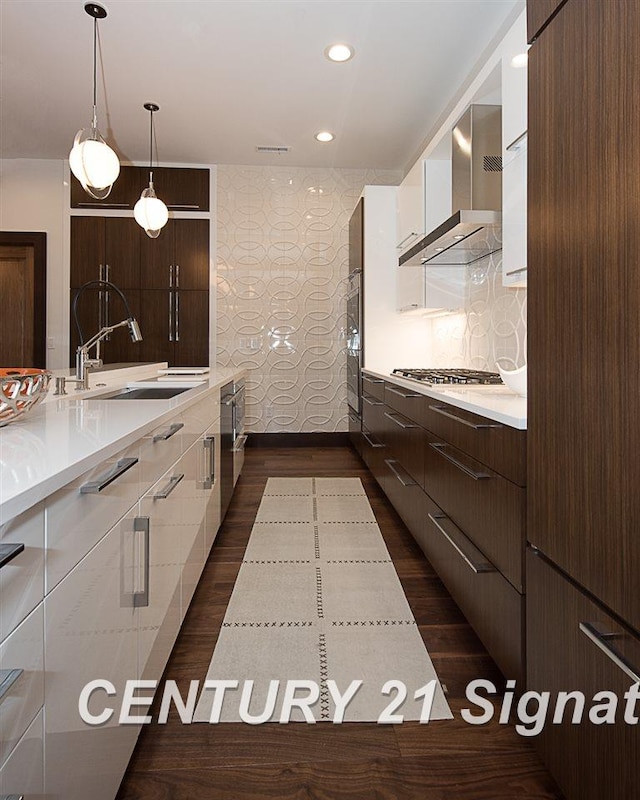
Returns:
(282, 263)
(492, 328)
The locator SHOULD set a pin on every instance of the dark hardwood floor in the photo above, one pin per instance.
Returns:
(445, 760)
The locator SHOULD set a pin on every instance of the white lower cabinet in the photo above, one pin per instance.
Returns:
(91, 633)
(22, 774)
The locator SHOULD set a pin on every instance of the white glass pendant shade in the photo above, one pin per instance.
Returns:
(150, 212)
(94, 163)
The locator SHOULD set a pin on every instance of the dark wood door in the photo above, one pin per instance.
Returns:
(191, 333)
(156, 314)
(192, 253)
(124, 194)
(589, 761)
(185, 188)
(17, 280)
(584, 298)
(122, 251)
(119, 348)
(87, 254)
(539, 13)
(157, 258)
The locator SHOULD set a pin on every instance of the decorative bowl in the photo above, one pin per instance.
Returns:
(20, 391)
(515, 379)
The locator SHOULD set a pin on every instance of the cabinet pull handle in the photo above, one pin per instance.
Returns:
(477, 476)
(89, 204)
(370, 441)
(408, 481)
(118, 469)
(101, 277)
(107, 270)
(372, 402)
(479, 567)
(515, 144)
(392, 417)
(476, 426)
(173, 428)
(239, 443)
(178, 206)
(8, 552)
(372, 380)
(170, 315)
(405, 395)
(602, 640)
(174, 480)
(177, 316)
(411, 235)
(7, 678)
(209, 443)
(177, 276)
(353, 416)
(517, 271)
(141, 598)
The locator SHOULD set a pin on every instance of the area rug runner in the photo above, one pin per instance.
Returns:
(317, 599)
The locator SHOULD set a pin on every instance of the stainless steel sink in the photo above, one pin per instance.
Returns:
(152, 393)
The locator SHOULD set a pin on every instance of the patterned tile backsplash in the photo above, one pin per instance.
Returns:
(282, 263)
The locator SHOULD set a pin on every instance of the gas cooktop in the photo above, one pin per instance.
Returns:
(450, 377)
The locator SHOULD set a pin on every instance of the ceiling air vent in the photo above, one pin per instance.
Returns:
(278, 148)
(492, 163)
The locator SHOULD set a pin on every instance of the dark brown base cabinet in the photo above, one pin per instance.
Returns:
(589, 761)
(467, 517)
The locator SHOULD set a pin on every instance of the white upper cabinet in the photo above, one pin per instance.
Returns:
(411, 207)
(514, 156)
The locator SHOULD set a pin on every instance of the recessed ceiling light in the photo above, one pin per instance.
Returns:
(339, 52)
(325, 136)
(520, 60)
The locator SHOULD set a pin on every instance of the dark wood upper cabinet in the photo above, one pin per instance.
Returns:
(539, 13)
(124, 193)
(106, 248)
(584, 299)
(182, 188)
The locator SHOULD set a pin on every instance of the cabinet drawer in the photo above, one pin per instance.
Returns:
(405, 440)
(22, 575)
(573, 645)
(22, 774)
(159, 449)
(491, 605)
(21, 679)
(406, 496)
(373, 386)
(405, 401)
(499, 446)
(80, 514)
(489, 509)
(373, 417)
(373, 455)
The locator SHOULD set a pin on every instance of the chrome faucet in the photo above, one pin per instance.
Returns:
(83, 362)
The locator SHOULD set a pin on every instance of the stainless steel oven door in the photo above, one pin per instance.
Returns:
(354, 341)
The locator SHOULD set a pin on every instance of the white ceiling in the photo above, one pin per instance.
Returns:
(232, 74)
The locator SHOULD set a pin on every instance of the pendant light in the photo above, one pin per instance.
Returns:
(150, 212)
(91, 159)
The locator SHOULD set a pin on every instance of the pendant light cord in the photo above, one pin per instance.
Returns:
(95, 71)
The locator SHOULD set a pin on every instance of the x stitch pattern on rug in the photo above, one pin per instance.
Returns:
(317, 598)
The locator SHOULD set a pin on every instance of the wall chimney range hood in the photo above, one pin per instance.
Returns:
(474, 231)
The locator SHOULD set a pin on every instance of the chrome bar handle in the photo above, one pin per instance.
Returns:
(7, 678)
(411, 235)
(372, 380)
(171, 276)
(405, 395)
(477, 476)
(390, 462)
(170, 315)
(477, 427)
(174, 480)
(177, 316)
(392, 417)
(517, 271)
(118, 469)
(370, 441)
(209, 443)
(141, 598)
(101, 315)
(239, 444)
(171, 430)
(602, 640)
(107, 270)
(372, 402)
(479, 567)
(177, 276)
(8, 552)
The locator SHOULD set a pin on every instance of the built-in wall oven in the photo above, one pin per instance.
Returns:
(233, 440)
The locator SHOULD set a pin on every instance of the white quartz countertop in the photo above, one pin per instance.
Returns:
(498, 403)
(63, 437)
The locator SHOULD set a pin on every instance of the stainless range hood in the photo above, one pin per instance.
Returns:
(474, 231)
